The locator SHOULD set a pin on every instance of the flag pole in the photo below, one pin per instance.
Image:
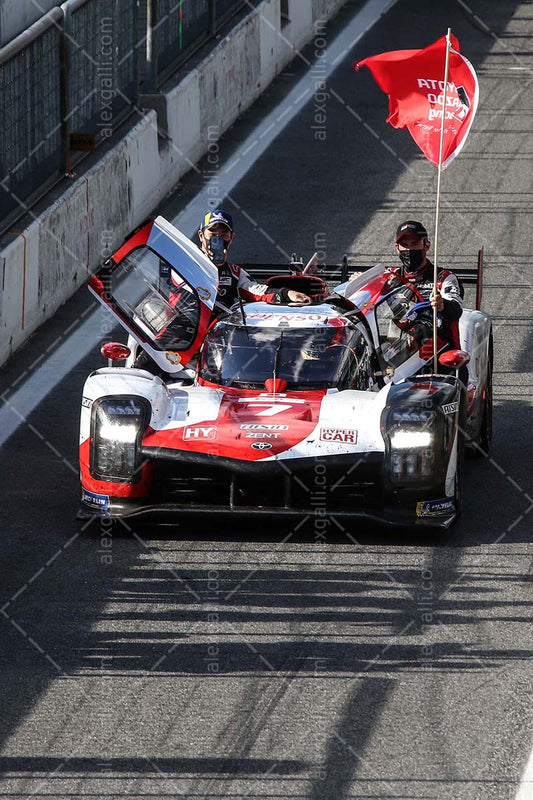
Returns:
(437, 211)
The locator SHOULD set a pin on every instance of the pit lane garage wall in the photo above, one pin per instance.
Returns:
(46, 260)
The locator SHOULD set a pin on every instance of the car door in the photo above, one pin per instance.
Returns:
(403, 333)
(162, 289)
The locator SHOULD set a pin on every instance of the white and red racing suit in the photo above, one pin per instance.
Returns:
(451, 292)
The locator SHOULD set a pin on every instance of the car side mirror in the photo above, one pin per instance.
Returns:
(454, 359)
(115, 351)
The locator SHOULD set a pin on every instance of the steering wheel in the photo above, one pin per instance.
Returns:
(414, 312)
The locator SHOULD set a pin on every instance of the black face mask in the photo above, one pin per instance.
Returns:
(412, 259)
(217, 246)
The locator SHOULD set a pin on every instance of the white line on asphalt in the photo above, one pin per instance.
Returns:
(525, 791)
(46, 377)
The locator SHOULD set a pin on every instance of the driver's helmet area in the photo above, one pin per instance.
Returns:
(404, 326)
(306, 358)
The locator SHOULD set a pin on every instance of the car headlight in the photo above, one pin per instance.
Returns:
(118, 433)
(117, 426)
(410, 435)
(407, 440)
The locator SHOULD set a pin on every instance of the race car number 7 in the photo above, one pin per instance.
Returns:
(271, 411)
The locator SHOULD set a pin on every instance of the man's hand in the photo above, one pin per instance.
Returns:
(354, 275)
(299, 297)
(437, 301)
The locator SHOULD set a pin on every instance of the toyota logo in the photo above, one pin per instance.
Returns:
(262, 446)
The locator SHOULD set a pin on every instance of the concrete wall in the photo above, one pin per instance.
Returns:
(17, 15)
(46, 261)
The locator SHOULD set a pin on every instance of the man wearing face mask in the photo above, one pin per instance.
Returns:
(216, 235)
(412, 245)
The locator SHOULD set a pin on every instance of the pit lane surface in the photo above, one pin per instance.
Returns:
(281, 663)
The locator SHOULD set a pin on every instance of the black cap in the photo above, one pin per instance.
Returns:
(413, 228)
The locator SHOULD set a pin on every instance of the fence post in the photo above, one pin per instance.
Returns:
(212, 18)
(151, 48)
(137, 37)
(64, 68)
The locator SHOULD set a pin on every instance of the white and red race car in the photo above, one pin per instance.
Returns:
(270, 408)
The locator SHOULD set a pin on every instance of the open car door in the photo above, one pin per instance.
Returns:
(402, 327)
(162, 289)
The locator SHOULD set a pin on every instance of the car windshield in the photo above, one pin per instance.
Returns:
(322, 357)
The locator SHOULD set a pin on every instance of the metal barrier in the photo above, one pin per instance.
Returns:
(102, 40)
(31, 111)
(182, 26)
(68, 81)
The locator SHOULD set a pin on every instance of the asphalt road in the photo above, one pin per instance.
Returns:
(276, 663)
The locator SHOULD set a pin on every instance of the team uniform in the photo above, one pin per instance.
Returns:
(450, 289)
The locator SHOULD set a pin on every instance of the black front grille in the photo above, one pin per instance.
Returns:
(331, 485)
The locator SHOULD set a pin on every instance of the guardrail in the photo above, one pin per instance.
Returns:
(69, 80)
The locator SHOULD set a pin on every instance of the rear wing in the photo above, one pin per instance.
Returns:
(338, 273)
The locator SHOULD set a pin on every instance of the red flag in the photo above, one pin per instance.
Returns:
(414, 81)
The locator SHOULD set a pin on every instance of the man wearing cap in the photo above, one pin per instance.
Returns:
(216, 235)
(412, 245)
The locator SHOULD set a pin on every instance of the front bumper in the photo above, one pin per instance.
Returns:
(173, 513)
(343, 488)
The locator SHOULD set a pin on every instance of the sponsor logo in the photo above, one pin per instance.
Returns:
(173, 357)
(263, 426)
(427, 508)
(449, 408)
(296, 316)
(261, 446)
(200, 433)
(262, 435)
(86, 402)
(343, 435)
(465, 102)
(224, 280)
(203, 294)
(95, 500)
